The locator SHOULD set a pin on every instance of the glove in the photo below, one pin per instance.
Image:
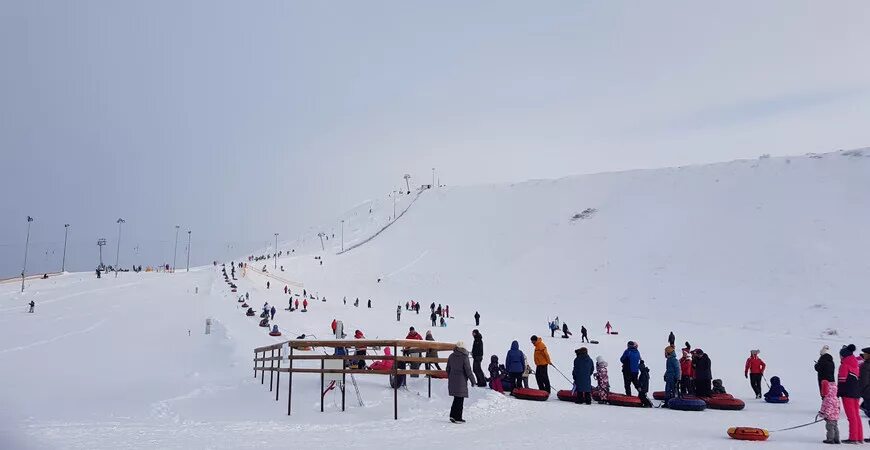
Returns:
(745, 375)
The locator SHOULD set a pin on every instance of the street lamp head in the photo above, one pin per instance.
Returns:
(66, 225)
(29, 219)
(177, 227)
(121, 221)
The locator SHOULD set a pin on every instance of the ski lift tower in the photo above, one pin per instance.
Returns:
(100, 243)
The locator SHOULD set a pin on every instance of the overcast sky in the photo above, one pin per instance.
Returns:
(244, 118)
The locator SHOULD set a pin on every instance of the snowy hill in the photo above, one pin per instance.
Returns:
(768, 253)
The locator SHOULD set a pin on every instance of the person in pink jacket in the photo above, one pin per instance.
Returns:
(384, 364)
(830, 411)
(848, 389)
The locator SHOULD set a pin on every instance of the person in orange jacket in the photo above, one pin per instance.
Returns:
(542, 360)
(754, 370)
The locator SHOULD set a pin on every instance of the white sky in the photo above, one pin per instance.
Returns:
(240, 119)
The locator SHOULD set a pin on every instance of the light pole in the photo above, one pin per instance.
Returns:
(395, 194)
(118, 248)
(188, 250)
(26, 246)
(175, 252)
(276, 250)
(407, 183)
(342, 235)
(433, 177)
(100, 243)
(65, 234)
(320, 235)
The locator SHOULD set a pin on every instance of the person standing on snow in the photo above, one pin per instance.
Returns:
(824, 368)
(565, 332)
(583, 369)
(398, 313)
(459, 374)
(477, 358)
(514, 363)
(672, 372)
(630, 367)
(447, 311)
(542, 360)
(754, 370)
(476, 318)
(607, 327)
(305, 305)
(603, 386)
(703, 373)
(687, 374)
(432, 317)
(32, 305)
(431, 353)
(830, 411)
(272, 312)
(267, 285)
(643, 385)
(849, 389)
(413, 334)
(671, 339)
(370, 303)
(583, 336)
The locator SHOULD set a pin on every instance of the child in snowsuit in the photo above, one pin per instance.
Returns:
(777, 390)
(687, 372)
(830, 411)
(495, 374)
(718, 388)
(643, 385)
(603, 380)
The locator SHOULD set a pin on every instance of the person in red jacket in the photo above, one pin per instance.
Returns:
(413, 334)
(305, 305)
(754, 370)
(687, 374)
(334, 324)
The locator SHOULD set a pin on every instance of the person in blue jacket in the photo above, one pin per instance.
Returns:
(630, 366)
(583, 369)
(777, 390)
(672, 371)
(515, 364)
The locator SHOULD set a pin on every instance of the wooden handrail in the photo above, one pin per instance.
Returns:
(413, 359)
(413, 344)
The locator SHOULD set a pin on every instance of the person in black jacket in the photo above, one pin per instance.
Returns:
(864, 382)
(476, 319)
(477, 358)
(671, 339)
(703, 373)
(643, 385)
(824, 368)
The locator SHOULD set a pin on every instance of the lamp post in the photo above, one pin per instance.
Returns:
(188, 250)
(342, 235)
(407, 177)
(118, 248)
(65, 234)
(100, 243)
(175, 252)
(320, 235)
(433, 177)
(26, 246)
(276, 250)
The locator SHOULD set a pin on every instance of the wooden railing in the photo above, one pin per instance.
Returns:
(408, 346)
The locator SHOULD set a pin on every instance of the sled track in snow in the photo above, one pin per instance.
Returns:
(382, 229)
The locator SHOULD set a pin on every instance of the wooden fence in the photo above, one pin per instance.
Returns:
(272, 359)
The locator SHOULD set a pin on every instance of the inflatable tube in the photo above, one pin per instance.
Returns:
(274, 333)
(250, 314)
(566, 395)
(659, 395)
(748, 433)
(530, 394)
(725, 403)
(233, 290)
(241, 300)
(686, 404)
(245, 305)
(623, 400)
(721, 396)
(779, 400)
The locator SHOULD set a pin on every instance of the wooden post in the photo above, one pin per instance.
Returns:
(396, 384)
(321, 385)
(278, 377)
(263, 370)
(272, 371)
(290, 381)
(343, 381)
(256, 355)
(430, 385)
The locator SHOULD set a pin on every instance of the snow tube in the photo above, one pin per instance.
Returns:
(233, 290)
(687, 404)
(250, 314)
(566, 395)
(623, 400)
(776, 400)
(530, 394)
(245, 305)
(748, 433)
(241, 300)
(725, 403)
(721, 396)
(274, 333)
(660, 395)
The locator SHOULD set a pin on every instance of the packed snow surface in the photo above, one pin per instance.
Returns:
(768, 254)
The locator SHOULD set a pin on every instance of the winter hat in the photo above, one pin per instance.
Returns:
(824, 350)
(754, 352)
(581, 351)
(847, 350)
(632, 344)
(411, 329)
(534, 338)
(865, 350)
(460, 344)
(599, 359)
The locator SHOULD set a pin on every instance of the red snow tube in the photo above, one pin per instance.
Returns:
(748, 433)
(623, 400)
(274, 333)
(725, 403)
(660, 395)
(530, 394)
(440, 375)
(566, 395)
(721, 396)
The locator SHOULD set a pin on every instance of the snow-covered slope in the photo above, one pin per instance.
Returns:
(768, 254)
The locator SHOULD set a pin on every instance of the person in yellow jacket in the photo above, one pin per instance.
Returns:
(542, 360)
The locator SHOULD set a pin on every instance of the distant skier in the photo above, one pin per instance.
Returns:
(583, 336)
(672, 339)
(272, 312)
(476, 318)
(32, 305)
(608, 327)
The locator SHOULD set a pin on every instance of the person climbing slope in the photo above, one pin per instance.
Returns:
(754, 370)
(583, 336)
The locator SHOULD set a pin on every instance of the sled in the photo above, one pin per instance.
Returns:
(686, 404)
(593, 342)
(725, 403)
(241, 300)
(623, 400)
(266, 325)
(567, 395)
(245, 305)
(614, 332)
(660, 395)
(274, 333)
(748, 433)
(530, 394)
(780, 400)
(250, 314)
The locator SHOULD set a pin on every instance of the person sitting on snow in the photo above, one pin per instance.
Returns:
(264, 322)
(495, 374)
(718, 387)
(777, 390)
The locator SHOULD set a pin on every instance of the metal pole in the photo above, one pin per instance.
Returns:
(26, 246)
(256, 355)
(65, 234)
(321, 385)
(175, 253)
(188, 259)
(343, 384)
(276, 250)
(118, 248)
(395, 384)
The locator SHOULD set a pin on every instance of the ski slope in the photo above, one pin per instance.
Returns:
(768, 254)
